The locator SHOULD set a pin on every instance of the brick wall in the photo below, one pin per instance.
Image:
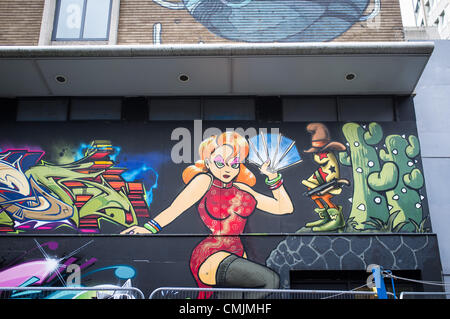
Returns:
(137, 18)
(387, 26)
(20, 21)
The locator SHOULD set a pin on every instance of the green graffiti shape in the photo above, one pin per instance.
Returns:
(374, 134)
(105, 202)
(367, 202)
(404, 197)
(414, 180)
(384, 180)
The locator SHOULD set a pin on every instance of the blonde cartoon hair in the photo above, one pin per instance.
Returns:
(209, 145)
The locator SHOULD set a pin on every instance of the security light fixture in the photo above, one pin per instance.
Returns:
(60, 79)
(183, 78)
(350, 76)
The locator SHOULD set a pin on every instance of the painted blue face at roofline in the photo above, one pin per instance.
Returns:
(277, 20)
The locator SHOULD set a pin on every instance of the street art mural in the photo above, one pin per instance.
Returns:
(300, 179)
(222, 185)
(275, 20)
(67, 271)
(325, 182)
(37, 195)
(386, 180)
(358, 179)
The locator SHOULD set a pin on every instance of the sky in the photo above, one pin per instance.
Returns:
(407, 10)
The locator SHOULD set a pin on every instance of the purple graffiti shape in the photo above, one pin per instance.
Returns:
(17, 275)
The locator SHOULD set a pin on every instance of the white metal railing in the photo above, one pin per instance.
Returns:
(243, 293)
(135, 292)
(223, 293)
(423, 295)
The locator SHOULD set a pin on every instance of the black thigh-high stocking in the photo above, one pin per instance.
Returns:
(237, 272)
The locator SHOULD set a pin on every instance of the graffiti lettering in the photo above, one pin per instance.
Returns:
(75, 277)
(37, 195)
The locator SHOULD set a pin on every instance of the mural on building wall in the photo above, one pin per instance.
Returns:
(37, 195)
(386, 180)
(222, 185)
(325, 182)
(139, 262)
(359, 180)
(309, 178)
(276, 20)
(65, 271)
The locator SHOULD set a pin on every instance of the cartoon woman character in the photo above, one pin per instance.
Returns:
(223, 187)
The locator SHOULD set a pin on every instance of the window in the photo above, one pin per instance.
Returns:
(366, 109)
(416, 10)
(208, 108)
(304, 109)
(78, 20)
(31, 110)
(95, 109)
(340, 108)
(442, 18)
(181, 109)
(219, 109)
(269, 108)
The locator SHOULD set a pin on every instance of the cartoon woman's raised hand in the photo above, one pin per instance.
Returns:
(264, 169)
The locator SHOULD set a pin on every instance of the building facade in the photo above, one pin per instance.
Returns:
(432, 90)
(160, 143)
(433, 13)
(122, 22)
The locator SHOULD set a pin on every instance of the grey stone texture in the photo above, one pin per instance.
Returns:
(356, 252)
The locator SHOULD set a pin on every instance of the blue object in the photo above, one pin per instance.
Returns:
(280, 150)
(392, 282)
(379, 283)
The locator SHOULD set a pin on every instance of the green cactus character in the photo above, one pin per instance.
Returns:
(369, 177)
(404, 197)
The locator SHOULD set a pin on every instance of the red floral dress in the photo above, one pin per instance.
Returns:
(224, 209)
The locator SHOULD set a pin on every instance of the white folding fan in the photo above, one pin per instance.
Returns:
(281, 151)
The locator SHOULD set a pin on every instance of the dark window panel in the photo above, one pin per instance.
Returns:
(269, 109)
(309, 109)
(229, 109)
(41, 109)
(173, 109)
(135, 109)
(9, 110)
(95, 109)
(404, 108)
(366, 108)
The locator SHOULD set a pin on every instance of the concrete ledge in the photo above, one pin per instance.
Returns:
(265, 49)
